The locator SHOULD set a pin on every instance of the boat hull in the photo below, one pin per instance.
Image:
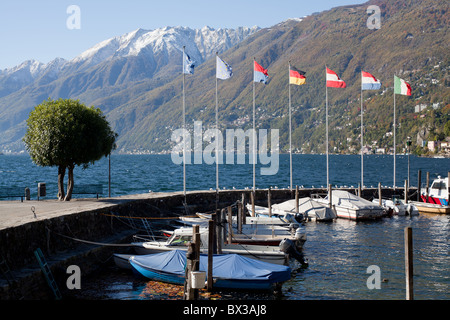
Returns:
(434, 200)
(174, 272)
(121, 260)
(358, 215)
(432, 208)
(157, 275)
(250, 251)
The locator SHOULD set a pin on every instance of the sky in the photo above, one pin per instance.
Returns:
(46, 29)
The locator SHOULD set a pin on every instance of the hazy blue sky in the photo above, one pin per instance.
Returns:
(37, 29)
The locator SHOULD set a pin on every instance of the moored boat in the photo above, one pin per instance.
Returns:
(437, 199)
(350, 206)
(230, 271)
(310, 209)
(182, 236)
(398, 207)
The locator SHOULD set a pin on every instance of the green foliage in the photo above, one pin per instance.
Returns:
(65, 133)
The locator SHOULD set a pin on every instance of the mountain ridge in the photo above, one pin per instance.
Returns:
(108, 67)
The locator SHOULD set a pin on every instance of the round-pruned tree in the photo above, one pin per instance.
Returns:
(66, 133)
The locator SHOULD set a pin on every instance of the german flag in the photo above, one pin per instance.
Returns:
(296, 76)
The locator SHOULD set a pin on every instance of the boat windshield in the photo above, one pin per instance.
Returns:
(439, 185)
(179, 240)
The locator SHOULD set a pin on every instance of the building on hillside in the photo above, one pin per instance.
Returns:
(420, 107)
(433, 145)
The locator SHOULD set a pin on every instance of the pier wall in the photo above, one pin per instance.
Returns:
(56, 236)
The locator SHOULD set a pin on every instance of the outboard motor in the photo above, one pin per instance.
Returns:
(289, 217)
(300, 235)
(293, 227)
(299, 217)
(287, 246)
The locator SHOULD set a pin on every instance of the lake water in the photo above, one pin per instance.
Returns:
(132, 174)
(338, 253)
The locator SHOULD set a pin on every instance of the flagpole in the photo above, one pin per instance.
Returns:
(362, 139)
(290, 128)
(184, 129)
(326, 123)
(254, 131)
(394, 133)
(217, 135)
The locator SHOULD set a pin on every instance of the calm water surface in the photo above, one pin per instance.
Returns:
(131, 174)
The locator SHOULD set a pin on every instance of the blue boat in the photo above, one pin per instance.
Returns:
(230, 271)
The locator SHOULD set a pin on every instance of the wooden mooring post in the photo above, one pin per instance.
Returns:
(192, 264)
(219, 231)
(406, 191)
(330, 202)
(296, 199)
(240, 217)
(269, 202)
(419, 183)
(252, 199)
(409, 264)
(230, 225)
(211, 247)
(380, 195)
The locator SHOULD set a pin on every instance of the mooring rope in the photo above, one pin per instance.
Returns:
(92, 242)
(146, 218)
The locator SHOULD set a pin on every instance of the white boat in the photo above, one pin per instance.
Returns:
(438, 198)
(182, 236)
(276, 212)
(203, 218)
(350, 206)
(311, 210)
(398, 207)
(258, 230)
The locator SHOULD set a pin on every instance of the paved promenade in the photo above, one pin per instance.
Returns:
(15, 213)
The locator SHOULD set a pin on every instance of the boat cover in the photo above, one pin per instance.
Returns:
(349, 200)
(315, 209)
(225, 266)
(308, 206)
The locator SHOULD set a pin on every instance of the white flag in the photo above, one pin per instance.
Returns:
(188, 64)
(223, 70)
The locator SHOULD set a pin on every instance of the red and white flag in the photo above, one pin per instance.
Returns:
(333, 81)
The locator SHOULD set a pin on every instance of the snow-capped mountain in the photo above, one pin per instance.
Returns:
(105, 73)
(157, 47)
(200, 43)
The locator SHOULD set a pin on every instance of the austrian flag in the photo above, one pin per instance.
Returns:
(333, 81)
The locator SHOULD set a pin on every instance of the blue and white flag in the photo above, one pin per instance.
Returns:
(223, 70)
(188, 64)
(369, 82)
(259, 73)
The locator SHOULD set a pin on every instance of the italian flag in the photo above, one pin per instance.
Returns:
(401, 87)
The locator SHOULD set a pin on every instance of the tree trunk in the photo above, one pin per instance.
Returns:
(69, 183)
(61, 174)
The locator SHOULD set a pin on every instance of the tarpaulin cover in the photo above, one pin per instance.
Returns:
(226, 266)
